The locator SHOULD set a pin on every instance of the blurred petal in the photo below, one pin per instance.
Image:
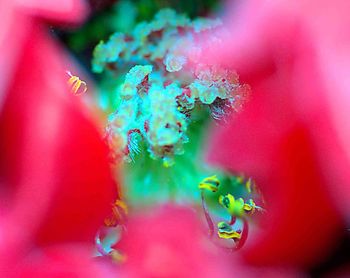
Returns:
(56, 181)
(286, 138)
(62, 261)
(169, 242)
(64, 11)
(54, 160)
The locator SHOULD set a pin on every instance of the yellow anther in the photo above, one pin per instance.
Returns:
(117, 256)
(248, 208)
(121, 204)
(248, 185)
(77, 86)
(225, 231)
(118, 215)
(231, 235)
(210, 183)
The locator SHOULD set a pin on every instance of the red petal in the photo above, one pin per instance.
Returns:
(54, 166)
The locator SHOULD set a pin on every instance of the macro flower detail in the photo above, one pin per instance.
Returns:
(236, 208)
(155, 142)
(174, 63)
(161, 90)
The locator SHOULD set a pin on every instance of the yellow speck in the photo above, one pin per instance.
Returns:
(210, 183)
(77, 86)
